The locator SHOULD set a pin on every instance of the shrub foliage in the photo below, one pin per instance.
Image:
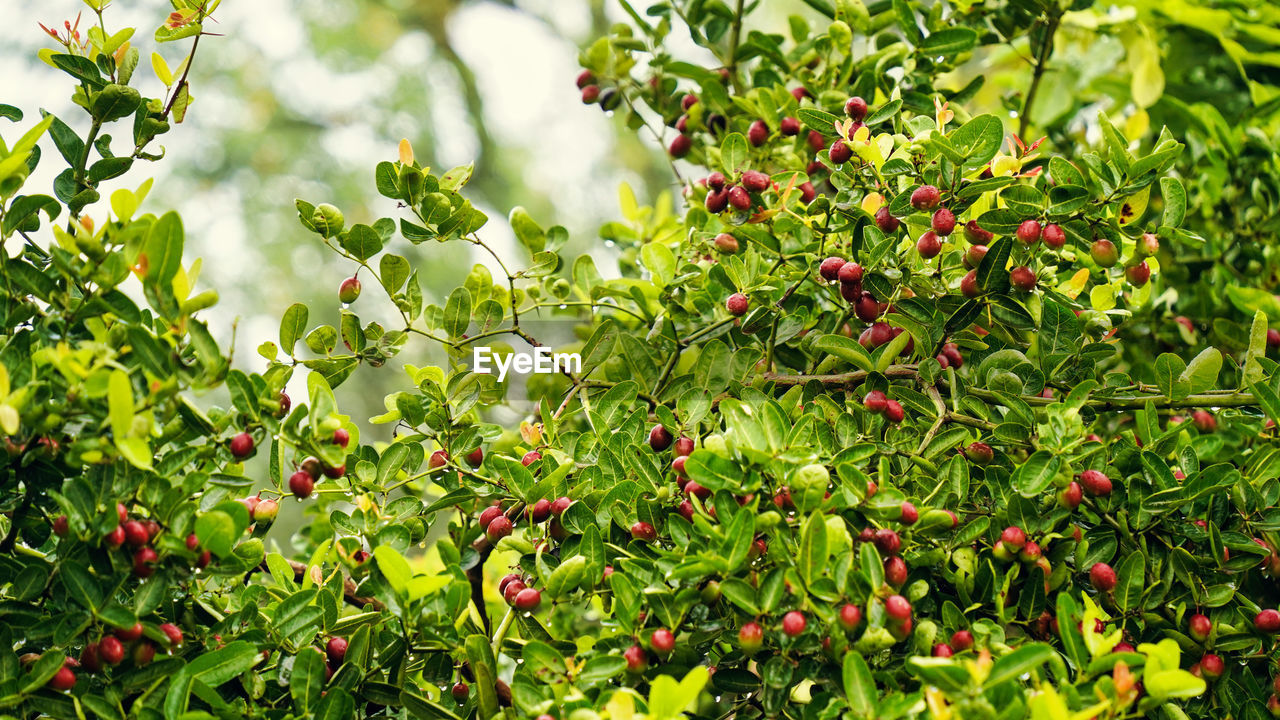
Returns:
(899, 414)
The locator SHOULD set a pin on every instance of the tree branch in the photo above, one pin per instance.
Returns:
(1042, 60)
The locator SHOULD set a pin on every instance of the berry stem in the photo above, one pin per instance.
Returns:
(501, 632)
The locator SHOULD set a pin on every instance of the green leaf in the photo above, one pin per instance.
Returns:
(81, 585)
(307, 679)
(1257, 348)
(361, 241)
(979, 139)
(79, 67)
(992, 275)
(812, 559)
(394, 568)
(120, 404)
(567, 577)
(164, 248)
(882, 113)
(1034, 476)
(1175, 202)
(668, 699)
(733, 153)
(859, 687)
(298, 617)
(1202, 372)
(660, 261)
(457, 312)
(216, 531)
(528, 232)
(211, 669)
(950, 41)
(823, 122)
(1131, 579)
(1018, 663)
(114, 102)
(1168, 370)
(846, 349)
(420, 707)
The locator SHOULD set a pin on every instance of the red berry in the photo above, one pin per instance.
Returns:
(875, 401)
(172, 632)
(969, 285)
(1054, 236)
(849, 617)
(333, 472)
(341, 437)
(897, 608)
(680, 146)
(475, 457)
(684, 446)
(266, 511)
(678, 465)
(895, 571)
(849, 273)
(111, 650)
(887, 541)
(793, 623)
(739, 198)
(1013, 538)
(61, 526)
(830, 268)
(241, 445)
(540, 511)
(590, 94)
(840, 153)
(115, 538)
(961, 640)
(980, 453)
(688, 101)
(1199, 626)
(1267, 621)
(944, 221)
(1102, 577)
(135, 534)
(942, 650)
(662, 641)
(807, 192)
(1023, 278)
(644, 531)
(659, 438)
(751, 637)
(1071, 496)
(438, 459)
(737, 304)
(512, 591)
(530, 458)
(1273, 338)
(585, 78)
(758, 133)
(886, 221)
(909, 514)
(726, 244)
(1095, 483)
(559, 505)
(336, 649)
(498, 528)
(1139, 274)
(64, 679)
(637, 659)
(925, 197)
(816, 140)
(893, 412)
(975, 234)
(929, 245)
(856, 108)
(528, 599)
(460, 691)
(144, 562)
(143, 653)
(1104, 253)
(1204, 421)
(1211, 666)
(301, 485)
(867, 309)
(1029, 232)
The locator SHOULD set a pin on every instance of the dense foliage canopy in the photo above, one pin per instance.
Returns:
(898, 412)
